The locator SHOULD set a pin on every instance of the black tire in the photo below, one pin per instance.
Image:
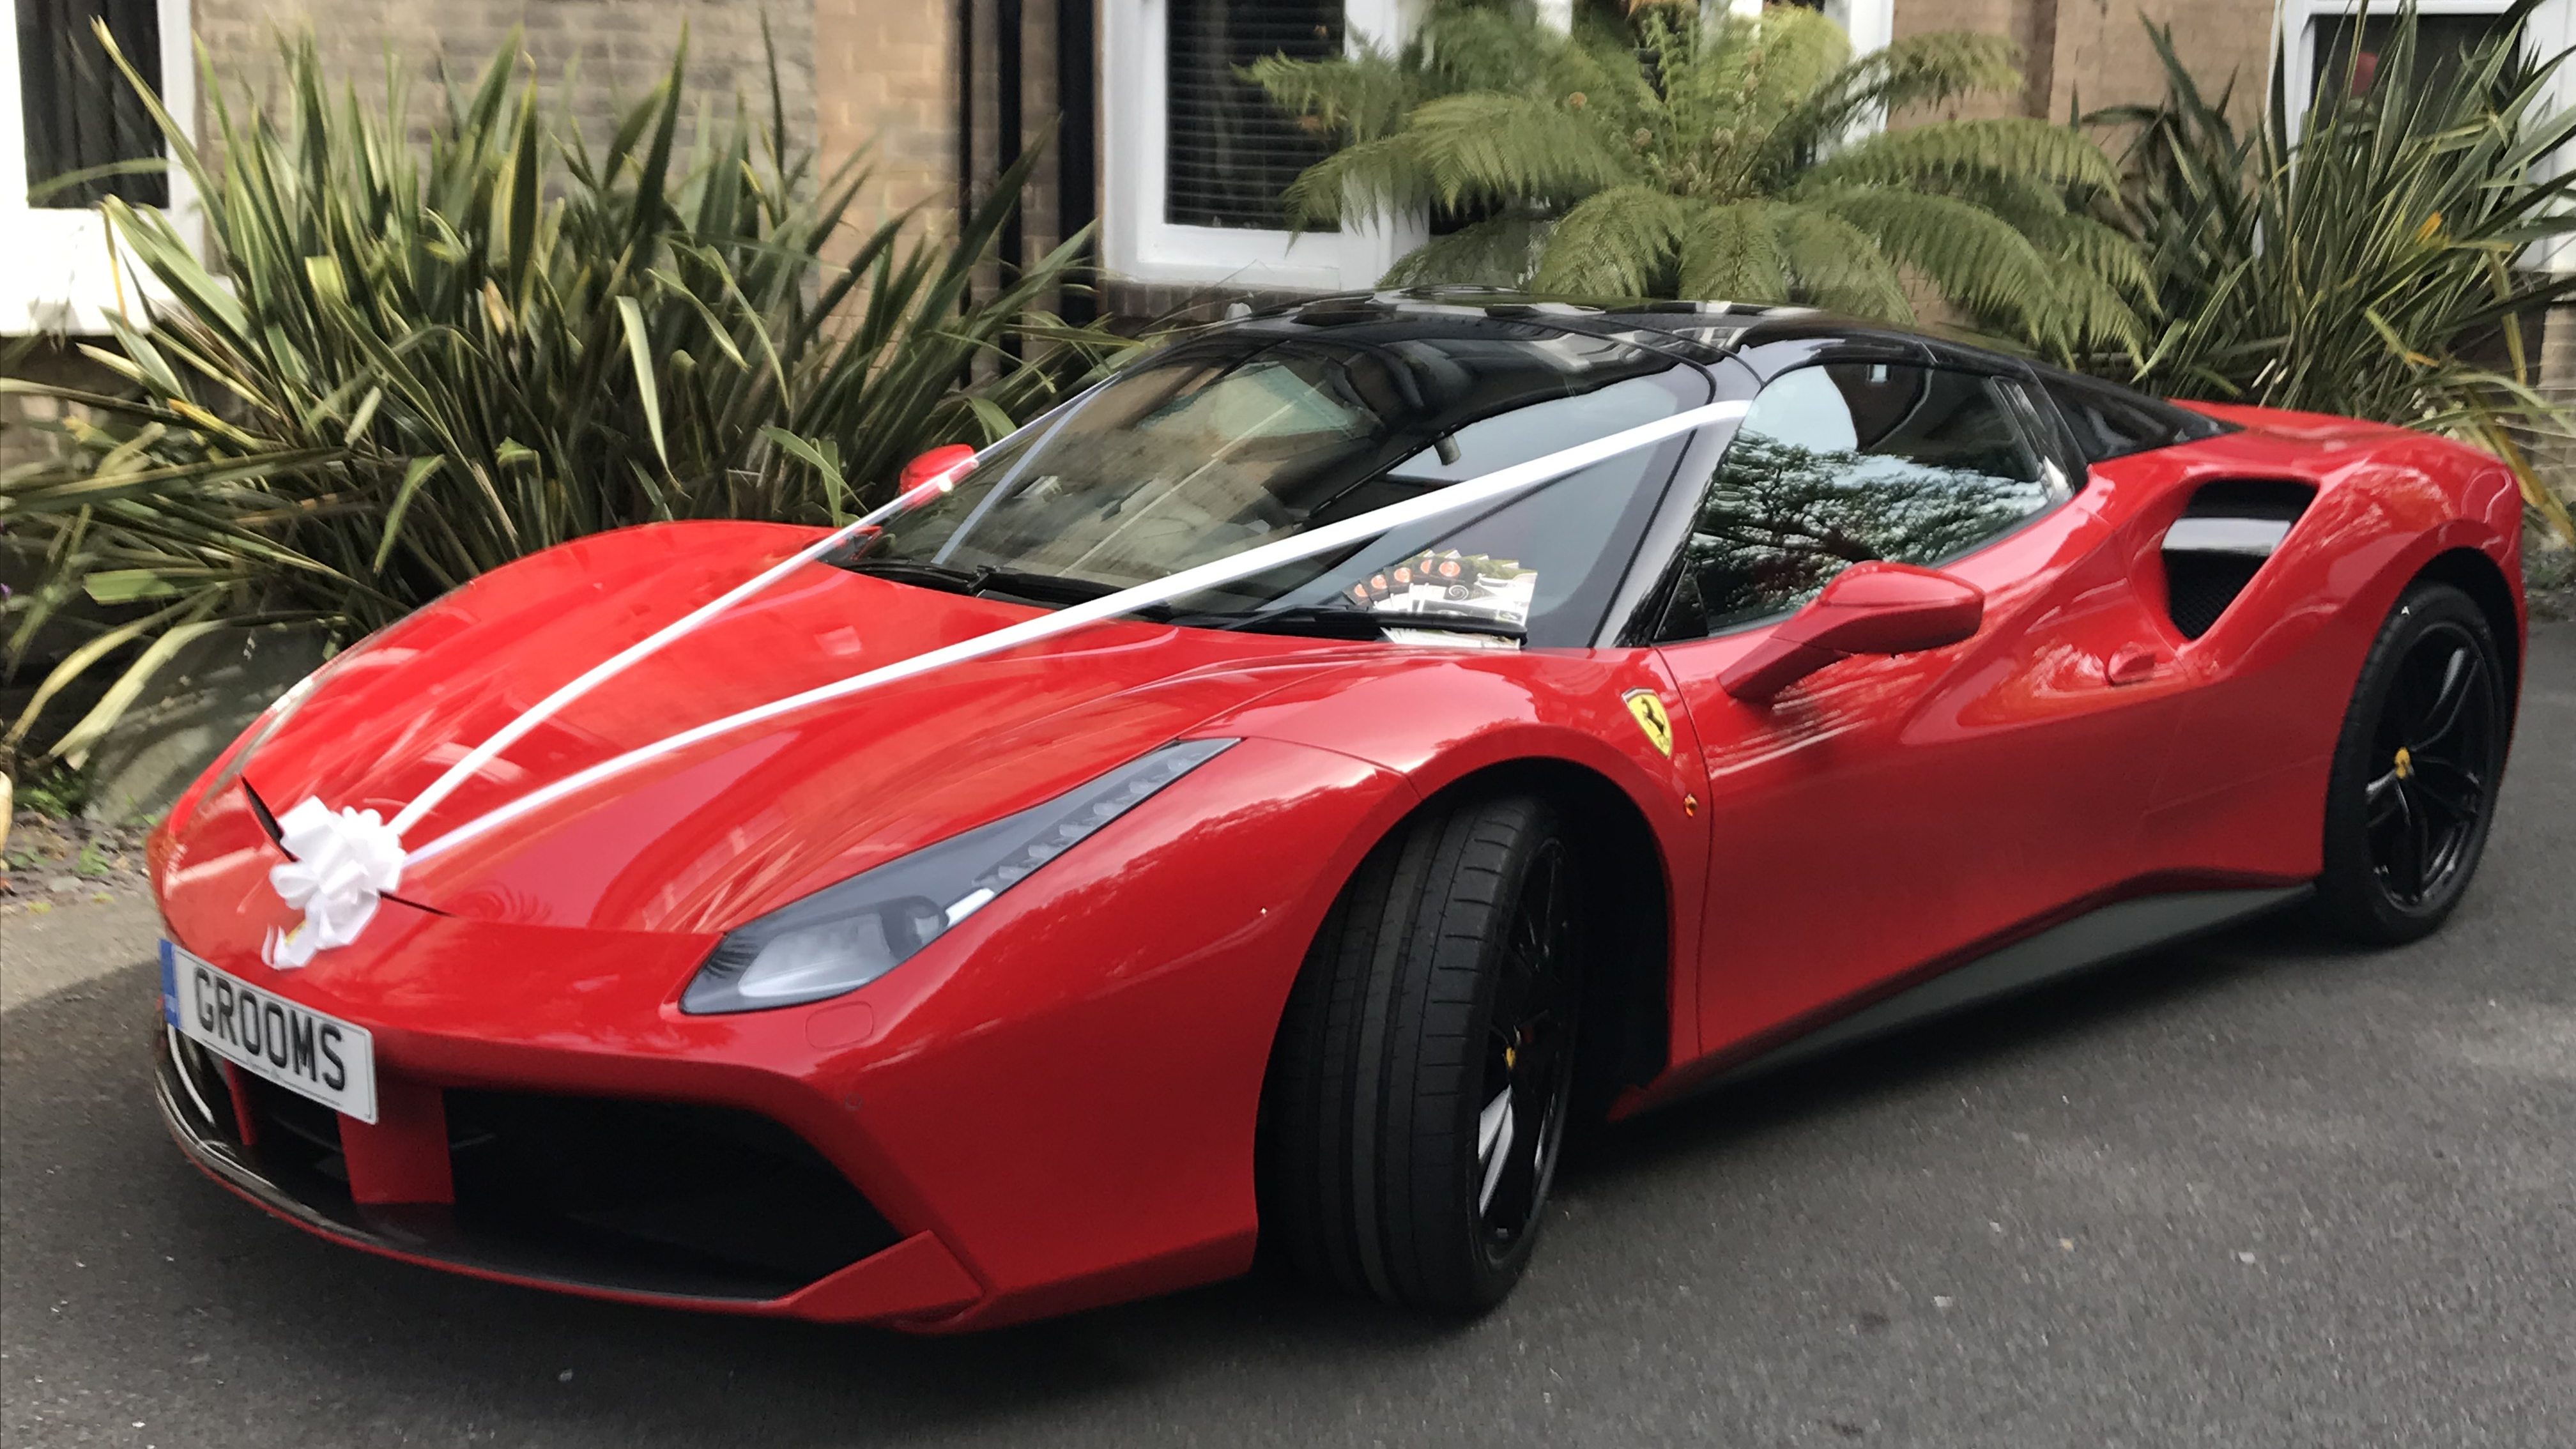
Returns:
(1450, 956)
(2413, 787)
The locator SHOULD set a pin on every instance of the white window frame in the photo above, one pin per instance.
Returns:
(1136, 242)
(61, 275)
(2551, 29)
(1871, 24)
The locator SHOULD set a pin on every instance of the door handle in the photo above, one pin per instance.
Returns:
(2132, 664)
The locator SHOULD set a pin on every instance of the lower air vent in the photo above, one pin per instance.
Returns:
(2214, 550)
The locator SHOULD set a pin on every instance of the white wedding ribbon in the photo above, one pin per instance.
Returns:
(342, 865)
(345, 899)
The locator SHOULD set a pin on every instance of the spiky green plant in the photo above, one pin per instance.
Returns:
(2377, 265)
(1668, 155)
(403, 366)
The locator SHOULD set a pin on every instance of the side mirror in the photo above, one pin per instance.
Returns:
(934, 473)
(1869, 608)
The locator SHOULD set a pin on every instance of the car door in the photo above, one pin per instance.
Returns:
(1888, 816)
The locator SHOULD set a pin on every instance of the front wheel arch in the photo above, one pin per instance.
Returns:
(1625, 982)
(1628, 983)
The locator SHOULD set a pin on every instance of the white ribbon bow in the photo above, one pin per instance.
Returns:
(343, 865)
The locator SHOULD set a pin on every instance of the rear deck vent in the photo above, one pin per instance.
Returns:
(2214, 550)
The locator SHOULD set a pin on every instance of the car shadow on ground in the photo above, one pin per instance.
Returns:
(94, 1185)
(2022, 1024)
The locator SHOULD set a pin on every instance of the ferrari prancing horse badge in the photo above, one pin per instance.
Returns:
(1648, 707)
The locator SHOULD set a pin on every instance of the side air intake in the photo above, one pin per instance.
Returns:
(2214, 550)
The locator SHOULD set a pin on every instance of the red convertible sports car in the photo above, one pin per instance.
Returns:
(1263, 801)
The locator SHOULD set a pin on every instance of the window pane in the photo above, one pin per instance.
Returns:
(2110, 422)
(1844, 463)
(1228, 152)
(78, 108)
(2443, 43)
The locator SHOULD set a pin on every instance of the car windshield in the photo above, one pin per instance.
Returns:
(1244, 437)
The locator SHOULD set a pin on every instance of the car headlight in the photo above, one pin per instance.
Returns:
(844, 936)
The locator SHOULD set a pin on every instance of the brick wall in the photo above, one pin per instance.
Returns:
(2101, 55)
(885, 81)
(615, 50)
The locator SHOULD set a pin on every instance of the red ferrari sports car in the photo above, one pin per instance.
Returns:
(1265, 800)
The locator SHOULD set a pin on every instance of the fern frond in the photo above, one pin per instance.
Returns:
(2098, 250)
(1772, 62)
(1731, 253)
(1383, 177)
(1490, 146)
(1614, 243)
(1356, 98)
(1836, 265)
(1944, 65)
(1999, 146)
(1973, 257)
(1462, 47)
(1918, 70)
(1502, 252)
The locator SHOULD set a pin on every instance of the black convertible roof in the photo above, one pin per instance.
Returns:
(2104, 419)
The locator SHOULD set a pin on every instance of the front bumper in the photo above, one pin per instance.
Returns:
(678, 1221)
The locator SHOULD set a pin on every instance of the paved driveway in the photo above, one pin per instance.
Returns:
(2254, 1192)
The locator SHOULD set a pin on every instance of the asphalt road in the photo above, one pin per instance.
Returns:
(2258, 1191)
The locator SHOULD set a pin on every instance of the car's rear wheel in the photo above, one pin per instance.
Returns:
(1419, 1090)
(2413, 786)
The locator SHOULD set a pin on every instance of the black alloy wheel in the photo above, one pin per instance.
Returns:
(1424, 1070)
(1529, 1057)
(2414, 780)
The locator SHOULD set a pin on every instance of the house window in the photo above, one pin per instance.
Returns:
(1228, 152)
(2443, 43)
(1196, 157)
(64, 108)
(77, 112)
(2320, 38)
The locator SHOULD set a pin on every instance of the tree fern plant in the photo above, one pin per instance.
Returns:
(1672, 155)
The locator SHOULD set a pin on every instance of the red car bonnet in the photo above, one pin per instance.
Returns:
(710, 836)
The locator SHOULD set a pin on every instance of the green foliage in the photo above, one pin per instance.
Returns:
(54, 791)
(1667, 155)
(2374, 266)
(406, 365)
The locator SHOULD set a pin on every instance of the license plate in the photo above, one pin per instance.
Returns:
(317, 1056)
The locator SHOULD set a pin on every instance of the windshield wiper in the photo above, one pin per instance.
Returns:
(1339, 623)
(906, 571)
(989, 579)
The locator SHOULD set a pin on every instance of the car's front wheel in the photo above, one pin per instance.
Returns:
(1421, 1082)
(2413, 784)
